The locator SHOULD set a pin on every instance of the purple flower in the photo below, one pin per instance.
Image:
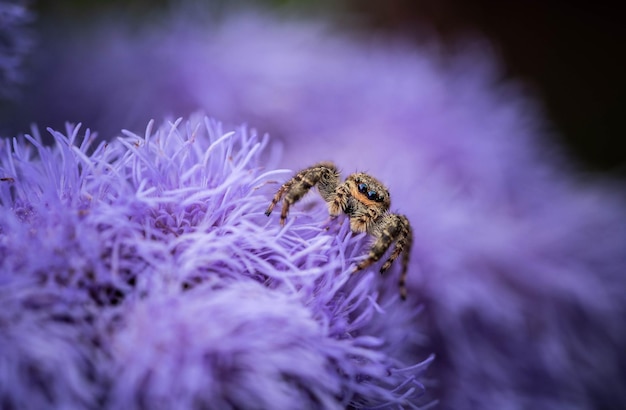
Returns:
(143, 273)
(520, 263)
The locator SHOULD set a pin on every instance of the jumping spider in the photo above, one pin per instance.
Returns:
(366, 202)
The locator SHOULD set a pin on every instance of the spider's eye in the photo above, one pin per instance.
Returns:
(363, 188)
(372, 195)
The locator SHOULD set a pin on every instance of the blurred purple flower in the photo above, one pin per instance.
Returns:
(143, 273)
(15, 44)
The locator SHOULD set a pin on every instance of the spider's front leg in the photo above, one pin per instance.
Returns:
(324, 174)
(392, 228)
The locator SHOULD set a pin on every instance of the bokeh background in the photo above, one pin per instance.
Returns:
(569, 54)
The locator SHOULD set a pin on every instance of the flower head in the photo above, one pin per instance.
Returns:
(177, 290)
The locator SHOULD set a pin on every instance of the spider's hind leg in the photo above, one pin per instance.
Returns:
(404, 242)
(394, 228)
(384, 238)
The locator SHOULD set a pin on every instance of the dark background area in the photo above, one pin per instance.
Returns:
(569, 54)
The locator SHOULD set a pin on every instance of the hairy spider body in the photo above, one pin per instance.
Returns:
(365, 200)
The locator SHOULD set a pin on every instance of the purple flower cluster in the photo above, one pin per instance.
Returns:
(519, 261)
(143, 273)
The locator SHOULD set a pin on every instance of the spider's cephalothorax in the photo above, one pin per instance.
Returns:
(366, 202)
